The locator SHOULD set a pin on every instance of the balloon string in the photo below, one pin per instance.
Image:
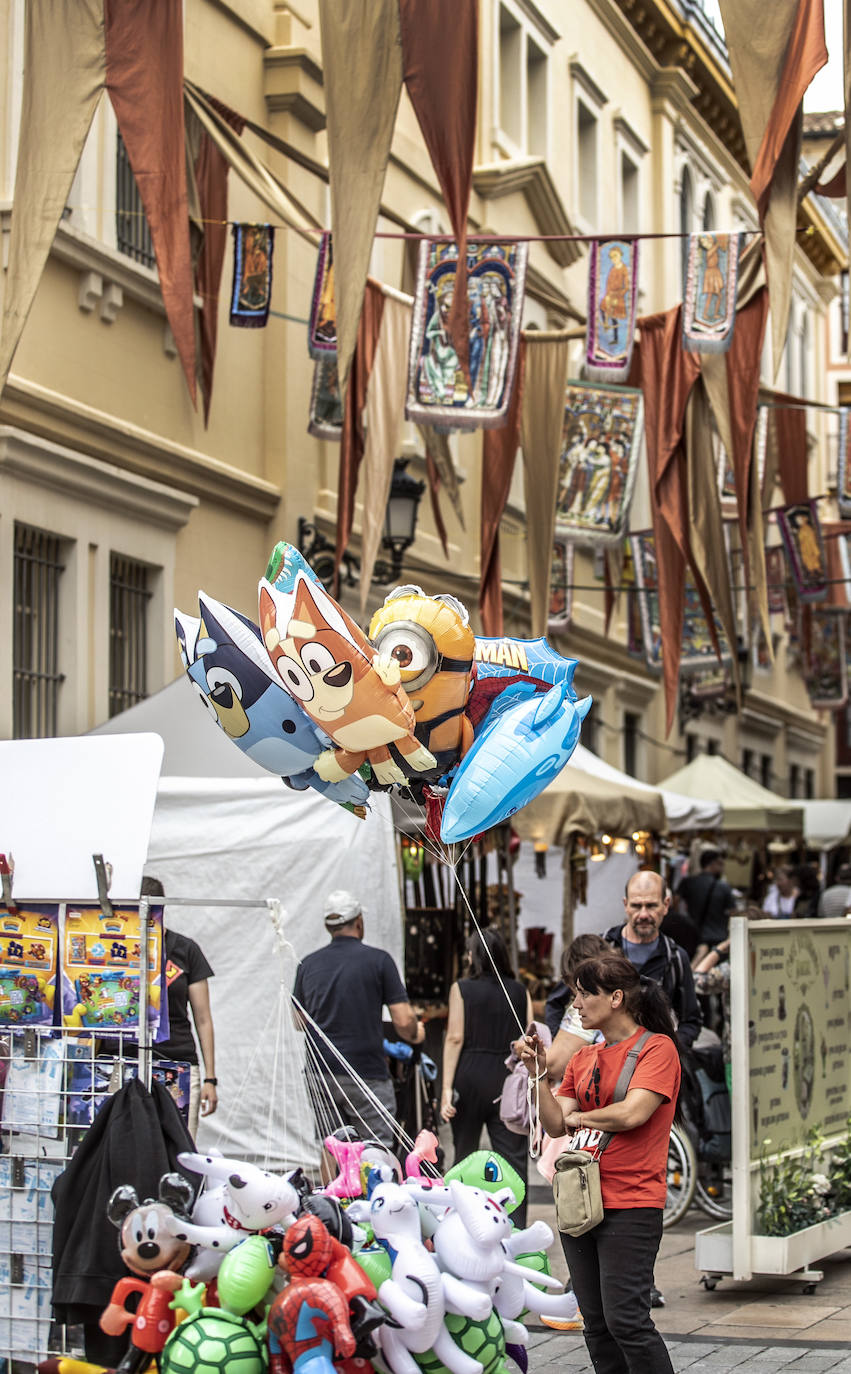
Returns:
(352, 1073)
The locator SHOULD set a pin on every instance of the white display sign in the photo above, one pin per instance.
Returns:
(63, 800)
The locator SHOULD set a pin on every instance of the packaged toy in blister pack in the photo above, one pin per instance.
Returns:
(29, 947)
(100, 968)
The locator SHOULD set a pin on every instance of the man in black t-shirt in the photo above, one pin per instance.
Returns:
(709, 901)
(343, 989)
(186, 974)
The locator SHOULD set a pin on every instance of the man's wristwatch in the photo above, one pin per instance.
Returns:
(214, 1081)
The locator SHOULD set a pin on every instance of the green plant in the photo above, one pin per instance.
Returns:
(794, 1194)
(840, 1173)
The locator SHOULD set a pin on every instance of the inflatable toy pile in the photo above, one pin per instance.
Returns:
(412, 1276)
(479, 726)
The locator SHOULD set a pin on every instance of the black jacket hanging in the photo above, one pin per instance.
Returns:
(135, 1138)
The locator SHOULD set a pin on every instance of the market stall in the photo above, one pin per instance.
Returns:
(748, 806)
(224, 828)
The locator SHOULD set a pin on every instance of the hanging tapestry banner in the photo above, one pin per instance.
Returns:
(612, 295)
(561, 586)
(600, 445)
(322, 329)
(709, 292)
(775, 577)
(326, 411)
(699, 659)
(252, 275)
(801, 534)
(438, 393)
(826, 673)
(647, 596)
(844, 466)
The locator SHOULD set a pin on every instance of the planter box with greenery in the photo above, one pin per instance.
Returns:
(803, 1213)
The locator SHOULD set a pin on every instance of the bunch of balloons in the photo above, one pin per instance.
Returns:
(420, 703)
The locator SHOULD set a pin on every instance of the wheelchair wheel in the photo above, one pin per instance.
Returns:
(682, 1177)
(713, 1191)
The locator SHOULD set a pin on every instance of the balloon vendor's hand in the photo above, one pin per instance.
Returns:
(533, 1052)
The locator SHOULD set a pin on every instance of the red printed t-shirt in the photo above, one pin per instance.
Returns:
(633, 1166)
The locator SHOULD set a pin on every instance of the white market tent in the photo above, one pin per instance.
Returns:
(224, 828)
(590, 796)
(827, 824)
(747, 805)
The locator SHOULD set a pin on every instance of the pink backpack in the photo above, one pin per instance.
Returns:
(514, 1098)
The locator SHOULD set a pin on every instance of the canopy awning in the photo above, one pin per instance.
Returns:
(747, 805)
(590, 796)
(827, 824)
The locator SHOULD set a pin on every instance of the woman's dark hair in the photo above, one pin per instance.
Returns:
(644, 999)
(584, 947)
(477, 950)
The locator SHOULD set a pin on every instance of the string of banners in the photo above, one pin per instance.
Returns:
(602, 427)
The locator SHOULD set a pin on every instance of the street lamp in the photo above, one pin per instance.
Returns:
(400, 519)
(400, 525)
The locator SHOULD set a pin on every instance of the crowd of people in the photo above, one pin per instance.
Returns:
(636, 993)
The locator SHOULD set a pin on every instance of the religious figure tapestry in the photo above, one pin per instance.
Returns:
(439, 393)
(698, 650)
(561, 586)
(844, 466)
(647, 596)
(826, 673)
(775, 577)
(800, 531)
(612, 296)
(326, 411)
(252, 275)
(709, 292)
(322, 328)
(601, 440)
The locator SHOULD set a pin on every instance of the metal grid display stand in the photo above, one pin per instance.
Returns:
(52, 1083)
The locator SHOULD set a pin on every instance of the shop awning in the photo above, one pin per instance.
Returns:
(747, 805)
(590, 796)
(827, 824)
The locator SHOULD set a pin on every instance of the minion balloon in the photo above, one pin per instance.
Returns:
(429, 637)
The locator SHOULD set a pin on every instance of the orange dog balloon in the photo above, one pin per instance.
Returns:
(342, 682)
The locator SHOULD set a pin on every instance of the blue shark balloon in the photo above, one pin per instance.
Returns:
(253, 710)
(525, 742)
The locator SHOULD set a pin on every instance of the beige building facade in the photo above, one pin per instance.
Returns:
(116, 503)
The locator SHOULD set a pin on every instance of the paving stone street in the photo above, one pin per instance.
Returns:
(754, 1328)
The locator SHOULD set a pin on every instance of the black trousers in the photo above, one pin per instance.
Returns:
(612, 1269)
(466, 1134)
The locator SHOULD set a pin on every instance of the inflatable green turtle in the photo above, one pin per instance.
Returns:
(483, 1341)
(214, 1341)
(222, 1340)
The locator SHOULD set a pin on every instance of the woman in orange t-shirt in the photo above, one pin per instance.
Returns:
(612, 1266)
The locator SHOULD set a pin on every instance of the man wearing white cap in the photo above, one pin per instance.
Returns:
(343, 988)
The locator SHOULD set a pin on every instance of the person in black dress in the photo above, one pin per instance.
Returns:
(488, 1010)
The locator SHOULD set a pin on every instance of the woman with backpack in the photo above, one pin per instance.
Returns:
(486, 1007)
(617, 1100)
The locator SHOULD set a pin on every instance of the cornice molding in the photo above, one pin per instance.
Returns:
(625, 131)
(70, 473)
(540, 20)
(583, 78)
(671, 86)
(531, 177)
(625, 36)
(59, 418)
(292, 84)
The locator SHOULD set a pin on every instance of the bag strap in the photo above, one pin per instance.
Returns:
(623, 1081)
